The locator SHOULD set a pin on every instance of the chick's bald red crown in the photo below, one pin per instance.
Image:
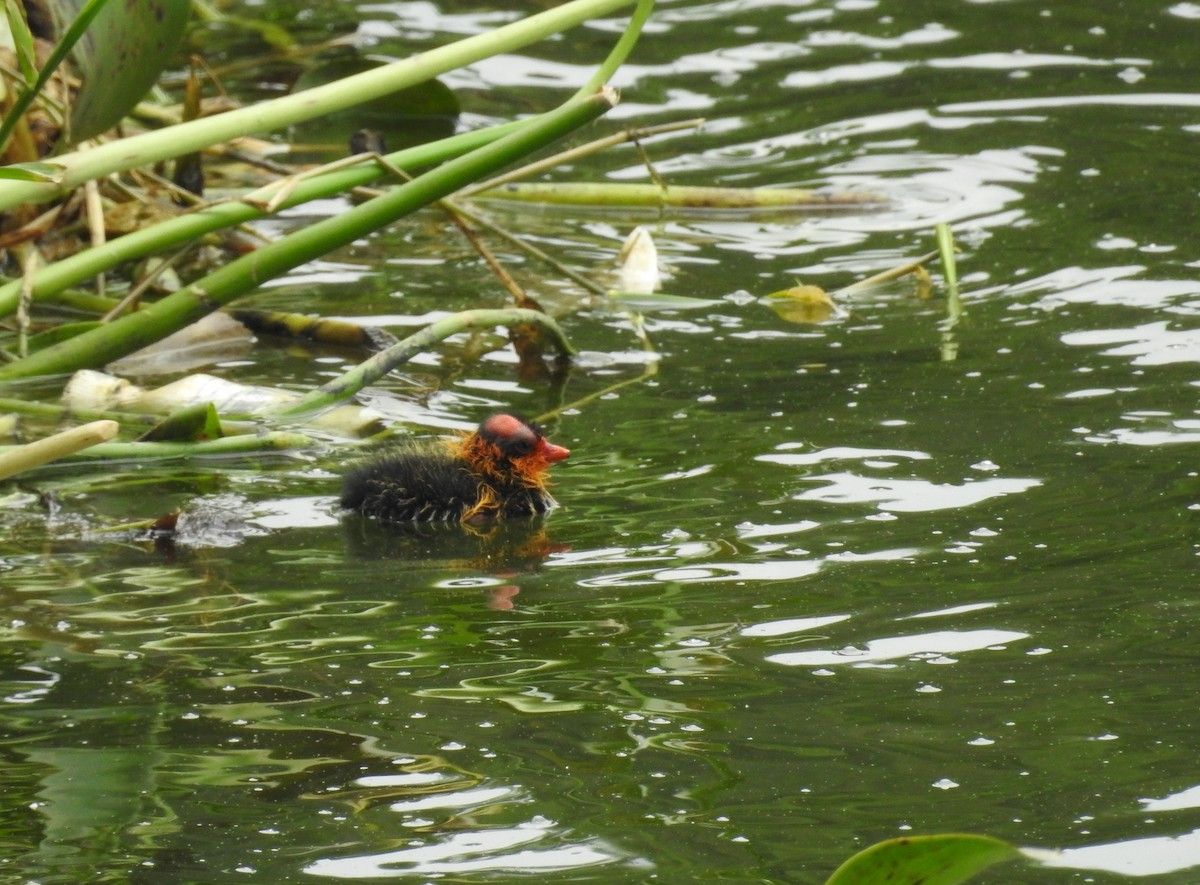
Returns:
(520, 439)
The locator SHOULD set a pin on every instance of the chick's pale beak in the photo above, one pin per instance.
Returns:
(551, 453)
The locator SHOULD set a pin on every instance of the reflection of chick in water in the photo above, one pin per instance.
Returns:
(501, 549)
(495, 472)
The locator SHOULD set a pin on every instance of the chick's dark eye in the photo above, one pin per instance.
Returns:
(518, 446)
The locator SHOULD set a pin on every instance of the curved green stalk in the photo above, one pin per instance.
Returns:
(71, 170)
(369, 371)
(133, 331)
(621, 51)
(55, 278)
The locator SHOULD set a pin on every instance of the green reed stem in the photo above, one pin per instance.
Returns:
(133, 331)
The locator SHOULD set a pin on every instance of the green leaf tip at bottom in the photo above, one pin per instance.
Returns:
(943, 859)
(194, 423)
(31, 172)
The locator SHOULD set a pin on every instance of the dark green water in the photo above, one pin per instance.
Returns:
(811, 586)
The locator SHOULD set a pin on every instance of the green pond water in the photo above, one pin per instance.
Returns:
(811, 586)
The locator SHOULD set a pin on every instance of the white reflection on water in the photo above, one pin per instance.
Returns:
(791, 625)
(953, 610)
(1103, 286)
(992, 61)
(910, 495)
(486, 850)
(460, 799)
(840, 453)
(773, 570)
(748, 530)
(1189, 798)
(1133, 857)
(902, 495)
(1140, 99)
(294, 512)
(1182, 431)
(1150, 344)
(779, 570)
(921, 644)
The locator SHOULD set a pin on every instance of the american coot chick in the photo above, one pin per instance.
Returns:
(497, 471)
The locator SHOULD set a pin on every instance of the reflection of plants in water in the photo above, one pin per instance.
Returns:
(578, 676)
(65, 597)
(517, 687)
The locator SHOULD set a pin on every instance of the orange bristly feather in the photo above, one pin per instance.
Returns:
(483, 458)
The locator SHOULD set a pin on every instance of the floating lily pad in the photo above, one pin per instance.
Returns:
(944, 859)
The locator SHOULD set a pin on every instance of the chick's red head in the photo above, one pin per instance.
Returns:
(522, 443)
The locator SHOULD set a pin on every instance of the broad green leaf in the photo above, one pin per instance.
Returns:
(120, 57)
(944, 859)
(70, 36)
(119, 50)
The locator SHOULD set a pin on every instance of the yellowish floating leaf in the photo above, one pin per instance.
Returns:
(804, 304)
